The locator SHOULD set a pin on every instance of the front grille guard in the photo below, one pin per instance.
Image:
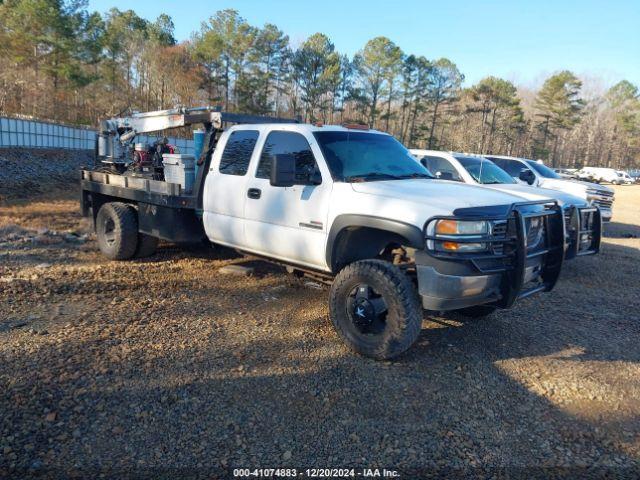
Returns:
(514, 256)
(579, 227)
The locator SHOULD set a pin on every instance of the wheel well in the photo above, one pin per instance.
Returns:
(360, 243)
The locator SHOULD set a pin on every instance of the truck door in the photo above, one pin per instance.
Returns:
(225, 189)
(288, 222)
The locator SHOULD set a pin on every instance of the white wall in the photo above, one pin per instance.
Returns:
(15, 132)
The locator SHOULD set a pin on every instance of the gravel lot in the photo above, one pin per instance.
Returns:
(19, 167)
(167, 366)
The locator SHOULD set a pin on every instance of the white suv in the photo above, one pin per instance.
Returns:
(530, 172)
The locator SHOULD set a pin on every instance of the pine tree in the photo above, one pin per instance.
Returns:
(445, 82)
(377, 63)
(559, 107)
(315, 67)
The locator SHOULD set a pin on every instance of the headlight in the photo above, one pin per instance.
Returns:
(535, 232)
(449, 231)
(459, 227)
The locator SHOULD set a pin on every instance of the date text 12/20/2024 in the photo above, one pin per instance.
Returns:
(315, 473)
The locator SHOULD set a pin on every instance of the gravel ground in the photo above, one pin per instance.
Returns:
(52, 167)
(167, 366)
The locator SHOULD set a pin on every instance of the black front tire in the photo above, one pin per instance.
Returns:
(117, 230)
(402, 318)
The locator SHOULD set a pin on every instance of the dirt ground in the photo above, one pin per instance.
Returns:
(164, 366)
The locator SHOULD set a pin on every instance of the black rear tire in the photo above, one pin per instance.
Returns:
(400, 322)
(147, 245)
(117, 230)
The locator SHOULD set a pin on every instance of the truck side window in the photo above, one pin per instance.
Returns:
(291, 143)
(513, 168)
(439, 165)
(237, 152)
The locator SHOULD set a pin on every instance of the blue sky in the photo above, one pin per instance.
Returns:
(522, 41)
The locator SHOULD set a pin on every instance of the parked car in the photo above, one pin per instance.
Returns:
(635, 175)
(568, 173)
(477, 170)
(609, 175)
(531, 172)
(626, 178)
(345, 204)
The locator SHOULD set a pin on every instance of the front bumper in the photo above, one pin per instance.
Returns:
(583, 231)
(452, 281)
(602, 200)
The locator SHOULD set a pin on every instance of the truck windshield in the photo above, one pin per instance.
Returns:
(484, 171)
(363, 157)
(542, 169)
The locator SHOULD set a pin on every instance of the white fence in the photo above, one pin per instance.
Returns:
(16, 132)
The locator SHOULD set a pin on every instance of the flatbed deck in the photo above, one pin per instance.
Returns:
(164, 209)
(138, 189)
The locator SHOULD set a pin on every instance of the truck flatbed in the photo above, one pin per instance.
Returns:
(164, 210)
(155, 192)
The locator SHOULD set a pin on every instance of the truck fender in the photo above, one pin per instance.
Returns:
(405, 233)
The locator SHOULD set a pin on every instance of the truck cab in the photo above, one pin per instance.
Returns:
(582, 221)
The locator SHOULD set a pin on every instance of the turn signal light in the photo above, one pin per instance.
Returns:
(450, 245)
(447, 227)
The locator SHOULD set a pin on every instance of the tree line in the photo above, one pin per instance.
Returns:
(61, 62)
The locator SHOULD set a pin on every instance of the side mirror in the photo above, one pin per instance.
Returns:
(283, 170)
(315, 178)
(527, 176)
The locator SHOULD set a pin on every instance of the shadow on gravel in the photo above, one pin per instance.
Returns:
(621, 230)
(444, 407)
(170, 252)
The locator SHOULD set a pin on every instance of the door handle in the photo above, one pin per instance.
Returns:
(254, 193)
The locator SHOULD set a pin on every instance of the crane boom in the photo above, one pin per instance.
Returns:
(118, 133)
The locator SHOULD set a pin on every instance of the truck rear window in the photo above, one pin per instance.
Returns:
(237, 152)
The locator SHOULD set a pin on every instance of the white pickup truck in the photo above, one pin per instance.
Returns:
(349, 205)
(582, 221)
(530, 172)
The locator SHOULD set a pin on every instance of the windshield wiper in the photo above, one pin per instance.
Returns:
(415, 175)
(383, 176)
(370, 176)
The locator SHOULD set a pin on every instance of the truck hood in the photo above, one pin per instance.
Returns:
(534, 193)
(574, 187)
(442, 193)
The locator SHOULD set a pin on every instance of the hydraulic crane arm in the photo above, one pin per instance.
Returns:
(116, 134)
(177, 117)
